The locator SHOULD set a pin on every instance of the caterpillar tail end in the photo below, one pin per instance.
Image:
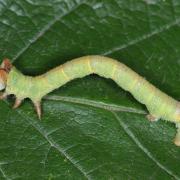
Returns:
(37, 106)
(177, 137)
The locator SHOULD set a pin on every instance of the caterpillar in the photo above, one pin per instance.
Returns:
(159, 104)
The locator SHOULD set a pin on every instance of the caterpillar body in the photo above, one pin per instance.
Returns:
(159, 104)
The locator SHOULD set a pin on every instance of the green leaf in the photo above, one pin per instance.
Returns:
(91, 128)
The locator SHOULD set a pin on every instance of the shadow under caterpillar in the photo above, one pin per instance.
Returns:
(159, 104)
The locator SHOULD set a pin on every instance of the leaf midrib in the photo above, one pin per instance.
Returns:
(97, 104)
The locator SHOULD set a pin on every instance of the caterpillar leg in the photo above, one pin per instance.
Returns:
(152, 118)
(17, 103)
(3, 96)
(177, 137)
(37, 106)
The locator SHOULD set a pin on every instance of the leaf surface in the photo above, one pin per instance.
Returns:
(91, 128)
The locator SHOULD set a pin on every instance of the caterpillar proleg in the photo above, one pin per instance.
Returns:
(159, 104)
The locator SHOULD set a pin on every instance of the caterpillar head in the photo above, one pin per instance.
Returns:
(4, 70)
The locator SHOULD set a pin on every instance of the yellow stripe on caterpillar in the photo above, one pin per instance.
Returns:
(89, 64)
(65, 75)
(114, 70)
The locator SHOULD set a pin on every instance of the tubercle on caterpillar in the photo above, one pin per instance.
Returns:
(159, 104)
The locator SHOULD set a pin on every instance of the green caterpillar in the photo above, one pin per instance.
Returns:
(158, 103)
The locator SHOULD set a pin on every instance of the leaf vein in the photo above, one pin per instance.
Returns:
(43, 31)
(143, 37)
(144, 149)
(4, 174)
(55, 145)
